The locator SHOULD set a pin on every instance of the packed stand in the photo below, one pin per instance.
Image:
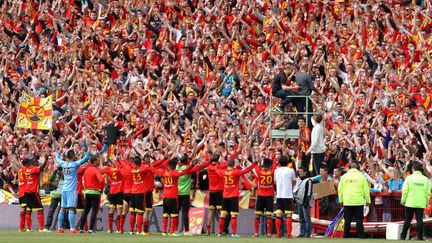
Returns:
(197, 78)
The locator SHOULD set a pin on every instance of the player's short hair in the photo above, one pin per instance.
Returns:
(184, 159)
(215, 157)
(267, 162)
(173, 163)
(283, 160)
(26, 161)
(93, 159)
(231, 163)
(70, 154)
(136, 160)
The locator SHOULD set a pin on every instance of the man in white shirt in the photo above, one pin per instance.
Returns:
(285, 181)
(317, 147)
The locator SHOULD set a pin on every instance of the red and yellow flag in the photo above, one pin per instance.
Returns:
(35, 113)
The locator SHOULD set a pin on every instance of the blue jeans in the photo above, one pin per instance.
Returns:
(305, 220)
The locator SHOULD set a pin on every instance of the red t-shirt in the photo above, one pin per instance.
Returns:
(149, 177)
(32, 179)
(170, 180)
(127, 177)
(22, 183)
(265, 182)
(81, 172)
(231, 180)
(215, 181)
(115, 179)
(139, 178)
(93, 179)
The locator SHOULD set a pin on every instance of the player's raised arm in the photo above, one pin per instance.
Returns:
(83, 160)
(59, 161)
(248, 169)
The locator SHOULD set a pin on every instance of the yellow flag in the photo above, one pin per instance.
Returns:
(35, 113)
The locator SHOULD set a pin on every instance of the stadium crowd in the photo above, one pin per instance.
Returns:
(195, 78)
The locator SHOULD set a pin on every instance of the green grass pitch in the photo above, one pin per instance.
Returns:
(9, 236)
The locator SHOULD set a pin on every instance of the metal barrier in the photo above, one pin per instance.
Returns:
(291, 133)
(384, 207)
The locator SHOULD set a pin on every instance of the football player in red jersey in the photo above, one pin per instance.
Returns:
(22, 184)
(139, 172)
(265, 195)
(32, 197)
(149, 187)
(170, 182)
(126, 168)
(115, 179)
(216, 187)
(231, 177)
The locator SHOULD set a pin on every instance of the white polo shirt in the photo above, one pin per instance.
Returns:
(284, 177)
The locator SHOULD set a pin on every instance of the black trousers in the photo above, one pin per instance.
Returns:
(305, 159)
(52, 208)
(317, 160)
(409, 212)
(91, 203)
(184, 206)
(356, 213)
(282, 94)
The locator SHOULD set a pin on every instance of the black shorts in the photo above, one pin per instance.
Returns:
(170, 207)
(285, 205)
(148, 201)
(184, 203)
(80, 202)
(22, 201)
(137, 203)
(230, 205)
(264, 203)
(127, 198)
(116, 200)
(215, 200)
(33, 201)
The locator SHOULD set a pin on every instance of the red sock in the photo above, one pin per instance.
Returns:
(28, 220)
(118, 223)
(208, 228)
(289, 226)
(22, 220)
(269, 224)
(221, 224)
(164, 224)
(257, 224)
(139, 222)
(174, 224)
(85, 226)
(234, 225)
(278, 225)
(132, 222)
(41, 220)
(110, 221)
(146, 226)
(121, 223)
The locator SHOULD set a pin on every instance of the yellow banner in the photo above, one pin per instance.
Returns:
(35, 113)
